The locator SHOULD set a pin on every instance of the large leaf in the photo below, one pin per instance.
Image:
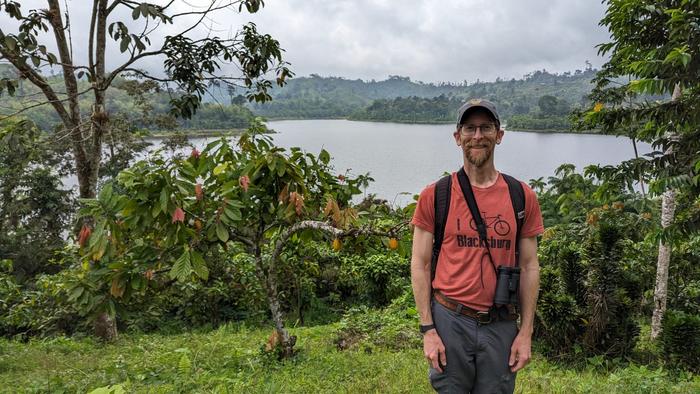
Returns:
(221, 232)
(199, 265)
(182, 268)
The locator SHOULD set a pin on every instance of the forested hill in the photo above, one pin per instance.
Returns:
(138, 105)
(317, 97)
(538, 99)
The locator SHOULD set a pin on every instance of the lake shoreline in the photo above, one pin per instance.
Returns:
(200, 133)
(543, 131)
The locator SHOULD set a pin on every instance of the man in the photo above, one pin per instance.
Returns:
(472, 345)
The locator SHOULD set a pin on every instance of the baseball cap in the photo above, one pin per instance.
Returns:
(477, 103)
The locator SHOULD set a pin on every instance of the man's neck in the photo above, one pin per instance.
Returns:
(483, 176)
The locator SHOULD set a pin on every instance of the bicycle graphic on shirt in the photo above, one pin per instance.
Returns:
(500, 226)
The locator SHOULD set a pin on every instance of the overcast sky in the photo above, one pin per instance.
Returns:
(427, 40)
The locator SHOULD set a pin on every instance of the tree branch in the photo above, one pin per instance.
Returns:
(41, 83)
(207, 11)
(66, 61)
(329, 229)
(91, 40)
(3, 117)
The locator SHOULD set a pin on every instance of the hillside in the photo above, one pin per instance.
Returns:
(402, 100)
(539, 101)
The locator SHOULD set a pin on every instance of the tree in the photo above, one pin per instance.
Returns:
(165, 218)
(34, 210)
(657, 44)
(189, 62)
(548, 105)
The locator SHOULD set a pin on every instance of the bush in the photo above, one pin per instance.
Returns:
(377, 278)
(393, 327)
(232, 292)
(39, 309)
(680, 339)
(589, 297)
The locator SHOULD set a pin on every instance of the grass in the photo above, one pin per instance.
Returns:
(229, 360)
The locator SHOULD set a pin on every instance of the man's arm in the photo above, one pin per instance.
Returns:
(520, 351)
(433, 347)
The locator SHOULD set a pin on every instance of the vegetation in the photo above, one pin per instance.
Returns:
(654, 44)
(144, 105)
(229, 360)
(34, 209)
(539, 101)
(188, 63)
(197, 257)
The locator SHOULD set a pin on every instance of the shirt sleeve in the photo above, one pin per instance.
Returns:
(533, 224)
(424, 215)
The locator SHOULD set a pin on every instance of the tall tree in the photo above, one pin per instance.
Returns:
(191, 62)
(657, 43)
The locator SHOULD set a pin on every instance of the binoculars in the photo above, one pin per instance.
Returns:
(507, 285)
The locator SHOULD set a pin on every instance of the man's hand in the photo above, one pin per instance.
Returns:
(434, 350)
(520, 352)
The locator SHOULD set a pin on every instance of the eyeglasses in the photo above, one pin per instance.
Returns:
(470, 130)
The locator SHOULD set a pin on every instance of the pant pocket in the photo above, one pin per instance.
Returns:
(439, 380)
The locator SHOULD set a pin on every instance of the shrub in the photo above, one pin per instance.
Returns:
(378, 278)
(394, 327)
(589, 297)
(680, 339)
(39, 309)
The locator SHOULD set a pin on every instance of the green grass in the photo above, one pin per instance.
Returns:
(229, 360)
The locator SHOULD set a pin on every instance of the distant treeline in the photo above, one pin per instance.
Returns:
(539, 101)
(442, 109)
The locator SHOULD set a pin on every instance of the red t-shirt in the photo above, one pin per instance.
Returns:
(464, 271)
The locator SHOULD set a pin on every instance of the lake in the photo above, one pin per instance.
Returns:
(404, 158)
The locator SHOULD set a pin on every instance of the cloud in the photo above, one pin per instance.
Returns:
(428, 40)
(448, 40)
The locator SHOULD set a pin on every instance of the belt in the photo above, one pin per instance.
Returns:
(483, 317)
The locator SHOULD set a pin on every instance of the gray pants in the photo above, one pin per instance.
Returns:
(477, 355)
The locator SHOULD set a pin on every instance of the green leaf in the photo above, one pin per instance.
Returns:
(135, 13)
(155, 210)
(184, 367)
(182, 268)
(233, 214)
(10, 43)
(76, 293)
(221, 232)
(164, 199)
(324, 156)
(106, 194)
(199, 265)
(112, 389)
(124, 45)
(220, 168)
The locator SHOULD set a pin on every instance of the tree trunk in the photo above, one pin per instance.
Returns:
(668, 209)
(286, 342)
(105, 327)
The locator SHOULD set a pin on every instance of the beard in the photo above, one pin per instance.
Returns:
(478, 157)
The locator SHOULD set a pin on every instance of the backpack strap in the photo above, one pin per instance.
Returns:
(517, 198)
(443, 190)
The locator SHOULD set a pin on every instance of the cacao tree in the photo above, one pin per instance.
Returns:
(162, 218)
